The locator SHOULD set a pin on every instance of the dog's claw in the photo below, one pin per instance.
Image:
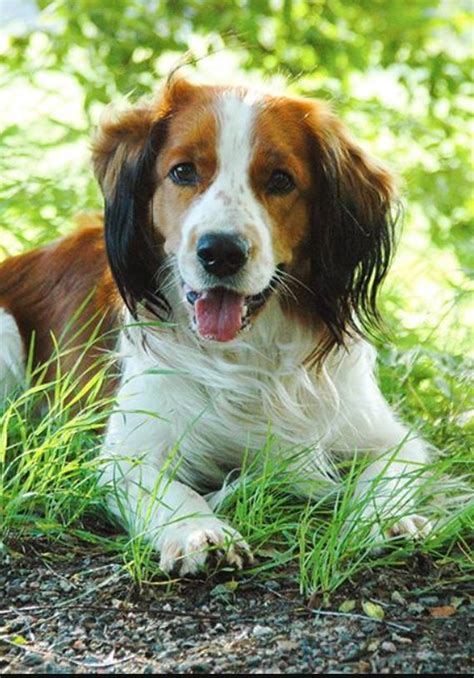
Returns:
(192, 545)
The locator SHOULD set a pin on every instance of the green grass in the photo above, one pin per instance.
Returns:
(49, 469)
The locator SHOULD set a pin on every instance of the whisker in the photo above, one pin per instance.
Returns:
(278, 284)
(291, 277)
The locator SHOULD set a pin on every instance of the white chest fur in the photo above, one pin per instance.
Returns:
(217, 402)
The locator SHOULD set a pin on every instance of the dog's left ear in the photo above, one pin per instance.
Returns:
(124, 153)
(352, 232)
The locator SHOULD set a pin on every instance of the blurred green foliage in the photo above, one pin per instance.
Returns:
(398, 72)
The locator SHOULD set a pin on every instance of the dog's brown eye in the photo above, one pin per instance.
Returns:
(184, 174)
(280, 183)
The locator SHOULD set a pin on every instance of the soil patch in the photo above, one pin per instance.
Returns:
(75, 610)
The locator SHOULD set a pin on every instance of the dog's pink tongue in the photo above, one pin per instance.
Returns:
(219, 314)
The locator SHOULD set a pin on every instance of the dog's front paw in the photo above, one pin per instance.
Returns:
(188, 545)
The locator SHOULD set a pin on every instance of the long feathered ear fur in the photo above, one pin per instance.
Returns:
(352, 231)
(124, 154)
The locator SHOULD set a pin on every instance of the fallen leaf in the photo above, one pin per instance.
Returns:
(19, 640)
(347, 606)
(231, 585)
(373, 610)
(442, 611)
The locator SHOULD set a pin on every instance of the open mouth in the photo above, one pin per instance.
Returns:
(220, 313)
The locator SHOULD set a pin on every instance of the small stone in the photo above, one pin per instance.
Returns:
(260, 631)
(345, 636)
(415, 608)
(52, 667)
(288, 645)
(65, 585)
(401, 639)
(387, 646)
(199, 667)
(429, 601)
(90, 660)
(32, 659)
(369, 627)
(397, 597)
(272, 585)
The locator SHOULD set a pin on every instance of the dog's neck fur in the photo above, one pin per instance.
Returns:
(224, 399)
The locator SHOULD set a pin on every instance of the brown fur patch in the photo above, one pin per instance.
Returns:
(63, 292)
(191, 138)
(280, 143)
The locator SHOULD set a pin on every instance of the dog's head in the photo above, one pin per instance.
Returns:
(240, 195)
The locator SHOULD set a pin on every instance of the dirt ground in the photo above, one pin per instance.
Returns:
(75, 610)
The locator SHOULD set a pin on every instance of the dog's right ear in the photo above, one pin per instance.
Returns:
(124, 153)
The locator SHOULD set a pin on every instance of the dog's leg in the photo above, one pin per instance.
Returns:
(388, 490)
(12, 355)
(145, 495)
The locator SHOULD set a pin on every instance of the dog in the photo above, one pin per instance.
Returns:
(245, 238)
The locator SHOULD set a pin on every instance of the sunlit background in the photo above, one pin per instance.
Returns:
(398, 73)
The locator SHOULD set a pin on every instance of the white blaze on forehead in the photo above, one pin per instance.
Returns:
(230, 204)
(236, 118)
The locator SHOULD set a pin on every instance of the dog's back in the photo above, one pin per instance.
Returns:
(52, 300)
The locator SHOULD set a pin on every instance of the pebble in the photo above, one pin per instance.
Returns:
(426, 655)
(388, 646)
(65, 585)
(401, 639)
(397, 597)
(345, 636)
(429, 601)
(52, 667)
(260, 631)
(272, 585)
(415, 608)
(288, 645)
(33, 659)
(369, 627)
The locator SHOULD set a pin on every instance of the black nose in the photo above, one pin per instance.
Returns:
(222, 253)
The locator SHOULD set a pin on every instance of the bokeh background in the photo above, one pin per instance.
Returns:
(398, 73)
